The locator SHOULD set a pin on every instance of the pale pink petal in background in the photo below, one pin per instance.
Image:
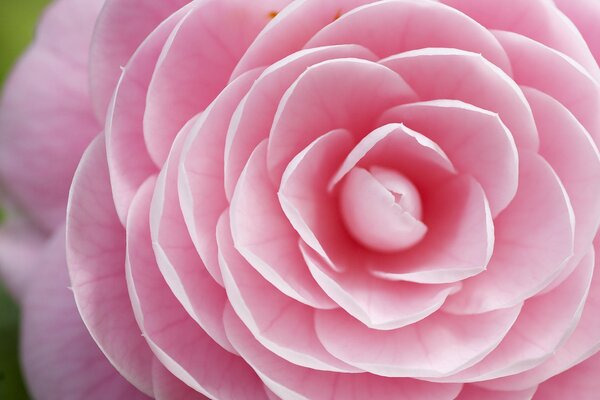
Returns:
(46, 118)
(60, 359)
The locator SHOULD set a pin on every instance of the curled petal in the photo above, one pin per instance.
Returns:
(475, 140)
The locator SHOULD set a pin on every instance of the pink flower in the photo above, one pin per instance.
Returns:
(309, 199)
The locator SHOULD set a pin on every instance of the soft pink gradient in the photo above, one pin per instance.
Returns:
(307, 199)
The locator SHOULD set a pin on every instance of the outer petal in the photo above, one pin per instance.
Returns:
(571, 151)
(471, 392)
(579, 382)
(60, 359)
(122, 26)
(585, 14)
(552, 72)
(537, 19)
(290, 381)
(45, 114)
(544, 324)
(583, 343)
(168, 387)
(96, 259)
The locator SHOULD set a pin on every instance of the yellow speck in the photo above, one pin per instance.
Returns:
(337, 15)
(273, 14)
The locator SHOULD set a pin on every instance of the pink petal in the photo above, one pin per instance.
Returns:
(290, 381)
(538, 19)
(199, 294)
(45, 115)
(278, 322)
(379, 304)
(118, 33)
(579, 382)
(471, 392)
(195, 65)
(568, 147)
(344, 93)
(174, 337)
(168, 387)
(263, 235)
(582, 344)
(128, 159)
(543, 325)
(201, 191)
(585, 15)
(377, 26)
(468, 77)
(530, 248)
(96, 259)
(254, 117)
(439, 345)
(60, 359)
(21, 243)
(291, 29)
(479, 143)
(550, 71)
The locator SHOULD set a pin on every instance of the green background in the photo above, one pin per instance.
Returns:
(17, 25)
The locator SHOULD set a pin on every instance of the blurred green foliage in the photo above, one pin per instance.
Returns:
(17, 25)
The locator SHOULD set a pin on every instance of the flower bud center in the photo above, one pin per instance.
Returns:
(382, 209)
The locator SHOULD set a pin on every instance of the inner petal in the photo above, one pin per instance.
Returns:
(382, 209)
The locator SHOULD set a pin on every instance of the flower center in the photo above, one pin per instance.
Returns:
(382, 209)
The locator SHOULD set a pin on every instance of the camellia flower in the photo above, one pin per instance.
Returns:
(308, 199)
